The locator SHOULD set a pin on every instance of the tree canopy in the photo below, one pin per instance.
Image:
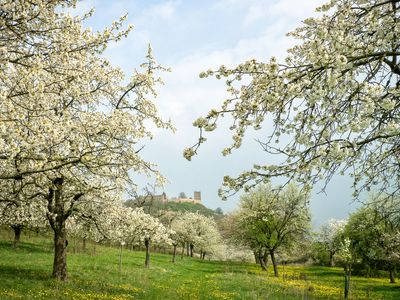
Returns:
(71, 124)
(333, 102)
(272, 222)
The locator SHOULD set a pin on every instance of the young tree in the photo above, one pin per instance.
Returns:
(169, 219)
(22, 214)
(72, 123)
(196, 231)
(126, 225)
(17, 209)
(374, 230)
(151, 230)
(274, 221)
(239, 235)
(331, 237)
(334, 101)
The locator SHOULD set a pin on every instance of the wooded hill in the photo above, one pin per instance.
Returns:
(156, 207)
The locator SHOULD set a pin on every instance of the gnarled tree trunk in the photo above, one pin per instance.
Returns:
(60, 252)
(57, 215)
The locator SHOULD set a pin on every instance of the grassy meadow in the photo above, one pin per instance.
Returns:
(25, 274)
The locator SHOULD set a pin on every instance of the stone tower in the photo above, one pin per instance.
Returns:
(197, 196)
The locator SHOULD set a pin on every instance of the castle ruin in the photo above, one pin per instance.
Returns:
(196, 198)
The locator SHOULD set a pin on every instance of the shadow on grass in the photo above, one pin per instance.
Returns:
(26, 247)
(9, 272)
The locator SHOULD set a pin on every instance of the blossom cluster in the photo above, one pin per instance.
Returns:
(333, 102)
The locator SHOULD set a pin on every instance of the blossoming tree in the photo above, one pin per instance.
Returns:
(196, 230)
(270, 221)
(374, 232)
(18, 212)
(331, 237)
(68, 119)
(333, 102)
(126, 225)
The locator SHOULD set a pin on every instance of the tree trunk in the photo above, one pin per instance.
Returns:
(183, 250)
(391, 274)
(204, 255)
(187, 249)
(84, 245)
(346, 281)
(17, 235)
(331, 259)
(262, 261)
(272, 254)
(265, 258)
(256, 257)
(174, 254)
(147, 244)
(57, 217)
(94, 248)
(60, 252)
(191, 250)
(120, 258)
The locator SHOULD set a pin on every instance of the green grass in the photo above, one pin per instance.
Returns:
(25, 274)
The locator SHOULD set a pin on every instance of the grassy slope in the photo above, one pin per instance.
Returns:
(24, 274)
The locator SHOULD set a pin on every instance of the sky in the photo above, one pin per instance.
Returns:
(193, 36)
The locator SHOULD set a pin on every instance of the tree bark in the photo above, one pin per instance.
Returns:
(120, 258)
(256, 256)
(84, 244)
(262, 261)
(57, 216)
(272, 254)
(183, 250)
(174, 254)
(347, 274)
(187, 249)
(147, 244)
(265, 258)
(191, 250)
(17, 235)
(204, 255)
(331, 259)
(391, 274)
(60, 252)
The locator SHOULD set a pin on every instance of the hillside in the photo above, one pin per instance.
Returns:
(155, 207)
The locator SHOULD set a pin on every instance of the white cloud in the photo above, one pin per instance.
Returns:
(263, 11)
(294, 8)
(246, 29)
(164, 10)
(254, 13)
